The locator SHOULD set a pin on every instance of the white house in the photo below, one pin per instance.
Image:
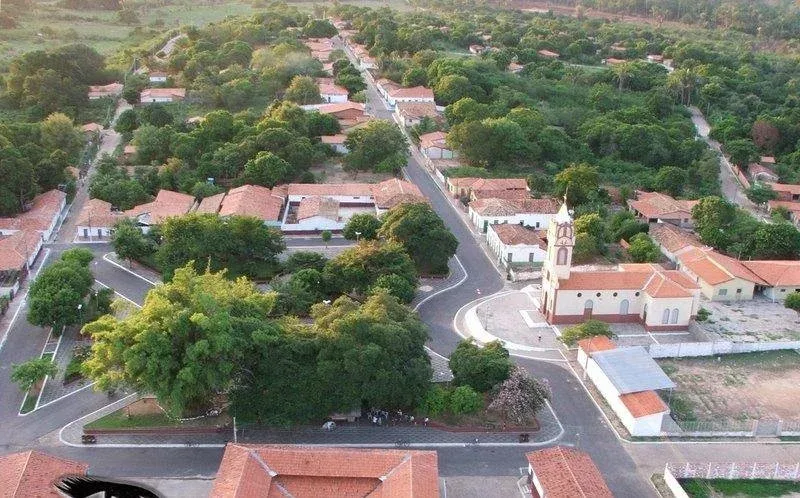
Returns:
(535, 213)
(153, 95)
(336, 142)
(157, 77)
(331, 92)
(413, 94)
(513, 243)
(96, 221)
(627, 378)
(561, 472)
(42, 216)
(412, 113)
(434, 146)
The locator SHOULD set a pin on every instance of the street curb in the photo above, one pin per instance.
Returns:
(108, 260)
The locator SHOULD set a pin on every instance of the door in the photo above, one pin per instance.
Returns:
(623, 307)
(485, 225)
(587, 309)
(86, 233)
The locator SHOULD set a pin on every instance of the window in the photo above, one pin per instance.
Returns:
(580, 294)
(598, 294)
(784, 290)
(537, 224)
(589, 304)
(674, 317)
(665, 317)
(738, 291)
(561, 257)
(530, 257)
(510, 257)
(615, 294)
(723, 292)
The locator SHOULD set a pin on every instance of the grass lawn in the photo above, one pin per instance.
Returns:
(30, 403)
(702, 488)
(120, 420)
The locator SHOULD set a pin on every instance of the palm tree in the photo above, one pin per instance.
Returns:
(683, 81)
(622, 73)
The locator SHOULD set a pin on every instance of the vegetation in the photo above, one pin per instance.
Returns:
(423, 234)
(481, 368)
(643, 249)
(377, 146)
(57, 295)
(32, 371)
(792, 301)
(520, 396)
(361, 226)
(706, 488)
(587, 329)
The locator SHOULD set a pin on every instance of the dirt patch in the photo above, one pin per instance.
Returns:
(332, 172)
(755, 320)
(741, 386)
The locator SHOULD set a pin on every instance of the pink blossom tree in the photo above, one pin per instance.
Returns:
(520, 396)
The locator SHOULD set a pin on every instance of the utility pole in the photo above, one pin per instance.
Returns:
(235, 440)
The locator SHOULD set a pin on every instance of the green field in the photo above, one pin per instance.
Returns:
(120, 420)
(706, 488)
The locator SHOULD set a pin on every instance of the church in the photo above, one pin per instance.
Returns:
(657, 298)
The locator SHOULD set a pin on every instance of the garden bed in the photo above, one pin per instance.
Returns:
(119, 422)
(708, 488)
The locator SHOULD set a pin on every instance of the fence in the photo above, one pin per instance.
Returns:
(685, 349)
(733, 428)
(735, 470)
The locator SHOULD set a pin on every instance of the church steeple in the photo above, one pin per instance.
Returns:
(560, 243)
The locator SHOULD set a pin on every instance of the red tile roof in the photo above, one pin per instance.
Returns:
(97, 213)
(791, 206)
(318, 206)
(716, 268)
(328, 87)
(512, 234)
(548, 53)
(17, 248)
(44, 209)
(265, 471)
(643, 403)
(758, 169)
(330, 189)
(416, 92)
(434, 139)
(166, 204)
(390, 193)
(92, 127)
(417, 110)
(176, 93)
(509, 195)
(776, 273)
(650, 278)
(658, 205)
(567, 473)
(210, 204)
(32, 474)
(596, 343)
(252, 200)
(767, 159)
(785, 187)
(490, 183)
(339, 138)
(339, 107)
(672, 238)
(510, 207)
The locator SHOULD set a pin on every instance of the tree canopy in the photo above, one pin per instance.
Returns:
(423, 234)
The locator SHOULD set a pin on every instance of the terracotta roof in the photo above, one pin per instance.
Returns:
(417, 110)
(785, 187)
(415, 92)
(319, 45)
(658, 205)
(597, 343)
(776, 273)
(614, 61)
(791, 206)
(166, 204)
(97, 213)
(328, 87)
(514, 66)
(758, 169)
(512, 234)
(339, 107)
(157, 74)
(509, 195)
(110, 89)
(434, 139)
(548, 53)
(17, 248)
(210, 204)
(318, 206)
(302, 472)
(511, 207)
(252, 200)
(339, 138)
(148, 93)
(672, 238)
(767, 159)
(715, 268)
(643, 403)
(490, 183)
(44, 208)
(330, 189)
(32, 473)
(92, 127)
(390, 193)
(387, 85)
(670, 284)
(567, 473)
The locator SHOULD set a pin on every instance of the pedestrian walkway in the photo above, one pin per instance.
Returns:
(54, 387)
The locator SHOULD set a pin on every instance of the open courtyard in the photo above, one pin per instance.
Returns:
(736, 387)
(756, 320)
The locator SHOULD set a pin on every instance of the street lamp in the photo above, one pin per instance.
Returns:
(80, 313)
(358, 234)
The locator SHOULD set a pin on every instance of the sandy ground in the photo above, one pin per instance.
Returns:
(333, 173)
(754, 385)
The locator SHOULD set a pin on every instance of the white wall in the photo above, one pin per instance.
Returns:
(437, 152)
(93, 231)
(315, 223)
(569, 303)
(366, 198)
(779, 293)
(674, 485)
(519, 253)
(333, 98)
(684, 349)
(536, 220)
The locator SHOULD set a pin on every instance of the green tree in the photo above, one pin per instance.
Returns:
(377, 146)
(60, 288)
(59, 132)
(415, 76)
(19, 183)
(742, 152)
(397, 286)
(792, 301)
(586, 249)
(303, 90)
(326, 236)
(27, 374)
(520, 396)
(775, 241)
(129, 242)
(361, 226)
(319, 28)
(304, 259)
(127, 121)
(712, 218)
(358, 268)
(156, 115)
(587, 329)
(423, 234)
(481, 368)
(579, 182)
(266, 169)
(761, 193)
(436, 401)
(465, 400)
(453, 88)
(643, 250)
(51, 172)
(671, 179)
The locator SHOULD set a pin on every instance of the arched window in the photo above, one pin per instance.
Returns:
(674, 318)
(665, 317)
(561, 256)
(589, 304)
(623, 307)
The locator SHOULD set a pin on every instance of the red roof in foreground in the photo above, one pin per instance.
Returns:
(301, 471)
(567, 473)
(32, 473)
(643, 403)
(595, 344)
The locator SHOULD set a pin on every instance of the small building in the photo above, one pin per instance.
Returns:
(91, 129)
(655, 207)
(18, 251)
(535, 213)
(331, 92)
(166, 204)
(33, 473)
(768, 160)
(721, 278)
(96, 221)
(390, 193)
(153, 95)
(112, 90)
(513, 243)
(336, 142)
(385, 87)
(655, 58)
(781, 277)
(672, 240)
(476, 49)
(515, 67)
(561, 472)
(253, 200)
(548, 54)
(42, 215)
(786, 191)
(412, 94)
(761, 173)
(157, 77)
(792, 207)
(258, 471)
(412, 113)
(463, 187)
(613, 61)
(628, 379)
(434, 146)
(347, 113)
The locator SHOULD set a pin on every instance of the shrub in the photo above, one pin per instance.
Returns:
(465, 400)
(435, 401)
(480, 368)
(589, 328)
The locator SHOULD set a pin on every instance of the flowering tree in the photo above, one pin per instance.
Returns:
(520, 396)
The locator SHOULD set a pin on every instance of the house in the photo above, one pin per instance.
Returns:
(348, 113)
(463, 187)
(385, 87)
(628, 379)
(166, 204)
(128, 152)
(157, 77)
(434, 146)
(256, 471)
(761, 173)
(548, 54)
(792, 207)
(152, 95)
(18, 251)
(513, 243)
(247, 200)
(672, 240)
(535, 213)
(655, 207)
(786, 192)
(412, 113)
(33, 473)
(112, 90)
(476, 49)
(331, 92)
(336, 142)
(318, 213)
(96, 221)
(629, 293)
(392, 192)
(91, 129)
(41, 216)
(561, 472)
(515, 67)
(781, 277)
(655, 58)
(612, 61)
(412, 94)
(720, 277)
